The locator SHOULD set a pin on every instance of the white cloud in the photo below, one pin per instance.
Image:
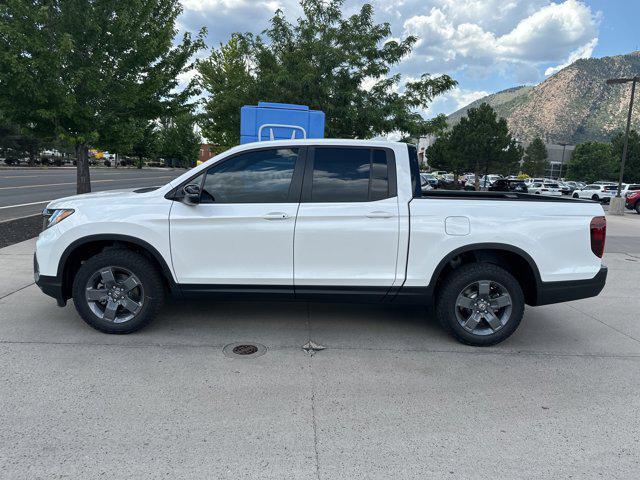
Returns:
(459, 35)
(584, 51)
(550, 33)
(471, 40)
(453, 100)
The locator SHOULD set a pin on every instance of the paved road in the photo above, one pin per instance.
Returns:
(391, 397)
(26, 191)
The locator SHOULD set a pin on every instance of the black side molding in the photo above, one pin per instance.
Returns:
(557, 292)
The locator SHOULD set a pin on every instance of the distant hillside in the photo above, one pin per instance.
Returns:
(574, 105)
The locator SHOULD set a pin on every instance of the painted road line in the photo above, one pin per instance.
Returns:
(20, 218)
(25, 204)
(93, 181)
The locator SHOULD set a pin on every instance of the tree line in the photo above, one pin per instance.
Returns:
(105, 74)
(481, 143)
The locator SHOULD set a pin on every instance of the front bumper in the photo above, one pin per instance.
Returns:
(51, 286)
(557, 292)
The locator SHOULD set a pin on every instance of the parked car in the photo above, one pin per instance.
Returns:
(597, 192)
(531, 181)
(632, 201)
(565, 189)
(505, 185)
(572, 186)
(628, 188)
(439, 173)
(487, 181)
(547, 188)
(245, 225)
(428, 181)
(470, 182)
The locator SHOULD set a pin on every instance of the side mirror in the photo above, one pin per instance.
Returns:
(191, 194)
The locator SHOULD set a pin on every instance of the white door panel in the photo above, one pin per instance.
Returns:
(346, 244)
(248, 244)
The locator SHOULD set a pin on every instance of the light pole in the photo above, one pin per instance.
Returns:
(618, 209)
(564, 147)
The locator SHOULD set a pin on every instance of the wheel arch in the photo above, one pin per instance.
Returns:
(85, 247)
(513, 259)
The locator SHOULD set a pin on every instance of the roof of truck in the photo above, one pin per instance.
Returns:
(319, 141)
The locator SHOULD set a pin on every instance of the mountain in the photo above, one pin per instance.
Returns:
(572, 106)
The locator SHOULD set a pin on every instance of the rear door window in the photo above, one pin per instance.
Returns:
(351, 175)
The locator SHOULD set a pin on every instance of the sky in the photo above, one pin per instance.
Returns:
(486, 45)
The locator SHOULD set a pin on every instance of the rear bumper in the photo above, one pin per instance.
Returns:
(556, 292)
(51, 286)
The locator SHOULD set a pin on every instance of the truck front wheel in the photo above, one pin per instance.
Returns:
(118, 291)
(480, 304)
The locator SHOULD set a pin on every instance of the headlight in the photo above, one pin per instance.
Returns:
(54, 215)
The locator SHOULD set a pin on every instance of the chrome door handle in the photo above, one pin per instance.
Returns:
(275, 216)
(379, 214)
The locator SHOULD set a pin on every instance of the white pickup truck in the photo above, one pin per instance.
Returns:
(340, 220)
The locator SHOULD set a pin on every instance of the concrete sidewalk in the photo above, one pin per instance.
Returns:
(390, 397)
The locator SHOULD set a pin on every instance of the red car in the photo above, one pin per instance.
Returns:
(633, 201)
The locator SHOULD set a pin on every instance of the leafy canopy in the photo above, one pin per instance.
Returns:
(342, 66)
(594, 161)
(86, 70)
(178, 141)
(535, 158)
(480, 142)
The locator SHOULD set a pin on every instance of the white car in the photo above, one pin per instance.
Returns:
(439, 174)
(549, 189)
(488, 180)
(597, 192)
(343, 220)
(628, 188)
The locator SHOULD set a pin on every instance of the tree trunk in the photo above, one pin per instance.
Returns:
(476, 173)
(82, 160)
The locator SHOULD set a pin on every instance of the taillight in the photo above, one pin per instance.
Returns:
(598, 235)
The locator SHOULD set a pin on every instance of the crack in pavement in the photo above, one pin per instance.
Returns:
(16, 291)
(604, 323)
(313, 395)
(297, 348)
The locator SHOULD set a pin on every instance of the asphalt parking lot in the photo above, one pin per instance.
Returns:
(25, 191)
(390, 396)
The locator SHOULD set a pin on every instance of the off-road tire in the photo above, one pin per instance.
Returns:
(454, 284)
(150, 279)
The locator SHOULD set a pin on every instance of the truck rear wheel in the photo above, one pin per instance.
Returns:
(480, 304)
(118, 291)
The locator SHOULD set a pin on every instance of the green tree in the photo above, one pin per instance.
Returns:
(339, 65)
(144, 142)
(483, 143)
(592, 161)
(178, 141)
(632, 164)
(78, 69)
(443, 155)
(535, 158)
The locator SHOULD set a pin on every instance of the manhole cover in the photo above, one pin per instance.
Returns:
(244, 350)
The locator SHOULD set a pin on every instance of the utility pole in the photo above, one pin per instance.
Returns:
(617, 207)
(564, 147)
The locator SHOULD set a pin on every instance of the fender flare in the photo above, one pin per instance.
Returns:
(486, 246)
(166, 271)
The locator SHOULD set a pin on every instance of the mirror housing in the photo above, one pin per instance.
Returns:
(191, 194)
